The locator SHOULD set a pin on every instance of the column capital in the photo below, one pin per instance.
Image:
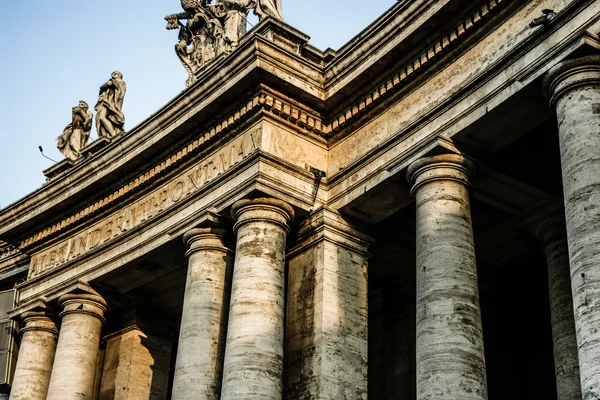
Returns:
(454, 167)
(570, 74)
(262, 209)
(39, 320)
(552, 229)
(83, 303)
(206, 238)
(327, 224)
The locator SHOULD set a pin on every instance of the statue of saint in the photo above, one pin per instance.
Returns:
(268, 8)
(77, 133)
(236, 12)
(109, 115)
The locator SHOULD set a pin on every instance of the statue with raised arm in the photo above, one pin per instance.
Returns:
(210, 28)
(77, 133)
(109, 115)
(268, 8)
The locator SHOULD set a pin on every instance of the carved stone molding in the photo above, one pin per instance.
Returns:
(83, 303)
(261, 102)
(570, 74)
(452, 167)
(427, 57)
(262, 209)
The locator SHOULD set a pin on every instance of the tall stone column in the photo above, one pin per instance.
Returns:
(553, 235)
(201, 349)
(574, 89)
(135, 363)
(36, 355)
(327, 319)
(78, 344)
(450, 357)
(253, 366)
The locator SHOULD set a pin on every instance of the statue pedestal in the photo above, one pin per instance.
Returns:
(58, 168)
(96, 146)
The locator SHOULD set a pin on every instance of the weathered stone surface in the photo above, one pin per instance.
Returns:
(36, 355)
(326, 324)
(253, 367)
(198, 371)
(135, 366)
(74, 368)
(553, 235)
(574, 87)
(262, 121)
(450, 356)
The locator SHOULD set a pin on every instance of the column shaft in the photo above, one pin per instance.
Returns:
(36, 355)
(77, 350)
(566, 363)
(327, 318)
(450, 356)
(199, 366)
(574, 87)
(253, 366)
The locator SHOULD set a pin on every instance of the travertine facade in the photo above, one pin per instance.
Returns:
(413, 216)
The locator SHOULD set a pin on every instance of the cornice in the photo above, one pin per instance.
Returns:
(428, 56)
(260, 102)
(307, 121)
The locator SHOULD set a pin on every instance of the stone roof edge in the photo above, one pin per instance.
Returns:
(263, 101)
(321, 128)
(429, 55)
(169, 113)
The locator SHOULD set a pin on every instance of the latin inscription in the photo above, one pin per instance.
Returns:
(149, 206)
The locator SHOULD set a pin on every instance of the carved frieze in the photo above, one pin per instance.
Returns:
(308, 122)
(427, 57)
(149, 206)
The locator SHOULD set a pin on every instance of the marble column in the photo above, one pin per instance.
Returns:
(253, 367)
(327, 319)
(201, 349)
(574, 90)
(553, 236)
(36, 355)
(450, 356)
(77, 349)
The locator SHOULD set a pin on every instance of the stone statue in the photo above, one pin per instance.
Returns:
(77, 133)
(109, 115)
(213, 29)
(236, 13)
(268, 8)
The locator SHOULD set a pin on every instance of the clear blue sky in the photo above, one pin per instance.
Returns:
(54, 53)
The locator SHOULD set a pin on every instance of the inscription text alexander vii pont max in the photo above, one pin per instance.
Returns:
(145, 208)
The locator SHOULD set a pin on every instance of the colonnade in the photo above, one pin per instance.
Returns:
(232, 340)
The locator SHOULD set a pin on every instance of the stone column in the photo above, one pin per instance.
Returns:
(78, 344)
(36, 355)
(450, 357)
(574, 89)
(253, 366)
(553, 235)
(198, 370)
(136, 364)
(327, 319)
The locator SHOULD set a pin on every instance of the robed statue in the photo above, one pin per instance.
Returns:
(109, 115)
(268, 8)
(77, 133)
